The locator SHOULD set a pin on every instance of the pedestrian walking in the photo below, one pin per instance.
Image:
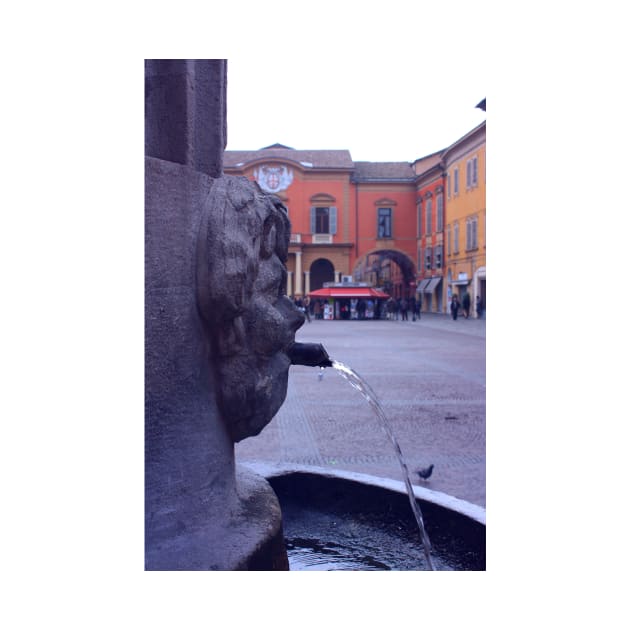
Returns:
(478, 306)
(307, 308)
(419, 306)
(454, 306)
(361, 306)
(391, 307)
(413, 308)
(404, 310)
(299, 303)
(466, 305)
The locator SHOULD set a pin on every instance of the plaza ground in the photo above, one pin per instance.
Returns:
(430, 377)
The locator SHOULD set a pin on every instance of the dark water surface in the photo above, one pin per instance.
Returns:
(339, 525)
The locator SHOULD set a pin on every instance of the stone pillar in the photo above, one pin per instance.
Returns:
(298, 273)
(185, 112)
(202, 511)
(307, 282)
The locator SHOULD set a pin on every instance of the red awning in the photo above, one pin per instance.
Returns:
(349, 292)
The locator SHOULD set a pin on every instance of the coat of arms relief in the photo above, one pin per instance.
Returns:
(273, 178)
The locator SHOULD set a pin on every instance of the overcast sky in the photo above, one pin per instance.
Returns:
(388, 108)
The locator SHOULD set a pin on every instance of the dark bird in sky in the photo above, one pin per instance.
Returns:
(425, 473)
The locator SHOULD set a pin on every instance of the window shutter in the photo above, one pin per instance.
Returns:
(312, 220)
(474, 233)
(333, 219)
(474, 173)
(468, 173)
(419, 219)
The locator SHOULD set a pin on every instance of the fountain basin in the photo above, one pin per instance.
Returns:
(337, 520)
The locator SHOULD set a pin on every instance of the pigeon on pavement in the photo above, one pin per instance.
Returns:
(425, 473)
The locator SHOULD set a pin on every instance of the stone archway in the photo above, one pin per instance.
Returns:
(390, 269)
(322, 270)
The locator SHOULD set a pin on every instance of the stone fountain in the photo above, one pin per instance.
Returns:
(219, 332)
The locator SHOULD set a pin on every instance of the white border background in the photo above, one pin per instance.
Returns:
(73, 331)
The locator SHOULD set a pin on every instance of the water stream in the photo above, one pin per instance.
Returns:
(366, 391)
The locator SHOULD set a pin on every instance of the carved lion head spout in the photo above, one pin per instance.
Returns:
(241, 291)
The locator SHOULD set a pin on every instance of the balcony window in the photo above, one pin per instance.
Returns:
(324, 220)
(384, 225)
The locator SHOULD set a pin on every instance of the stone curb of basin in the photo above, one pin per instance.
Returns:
(472, 511)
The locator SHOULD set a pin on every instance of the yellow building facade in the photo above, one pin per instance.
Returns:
(465, 263)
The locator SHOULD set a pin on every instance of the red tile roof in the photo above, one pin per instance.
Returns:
(383, 170)
(309, 159)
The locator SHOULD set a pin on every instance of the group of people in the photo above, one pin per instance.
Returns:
(465, 306)
(394, 309)
(400, 308)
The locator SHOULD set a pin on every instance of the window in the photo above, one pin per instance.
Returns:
(440, 213)
(456, 181)
(471, 233)
(324, 220)
(429, 209)
(427, 258)
(456, 238)
(384, 226)
(419, 258)
(448, 185)
(419, 218)
(438, 257)
(448, 240)
(471, 173)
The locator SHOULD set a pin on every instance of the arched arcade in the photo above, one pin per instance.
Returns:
(389, 269)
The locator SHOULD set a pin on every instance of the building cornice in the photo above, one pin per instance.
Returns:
(241, 167)
(381, 180)
(321, 198)
(473, 139)
(429, 176)
(385, 201)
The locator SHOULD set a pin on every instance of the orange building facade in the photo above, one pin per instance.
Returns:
(384, 223)
(431, 215)
(464, 164)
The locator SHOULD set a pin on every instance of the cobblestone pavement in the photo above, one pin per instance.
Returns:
(430, 378)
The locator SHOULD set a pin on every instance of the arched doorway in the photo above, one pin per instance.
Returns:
(389, 269)
(322, 270)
